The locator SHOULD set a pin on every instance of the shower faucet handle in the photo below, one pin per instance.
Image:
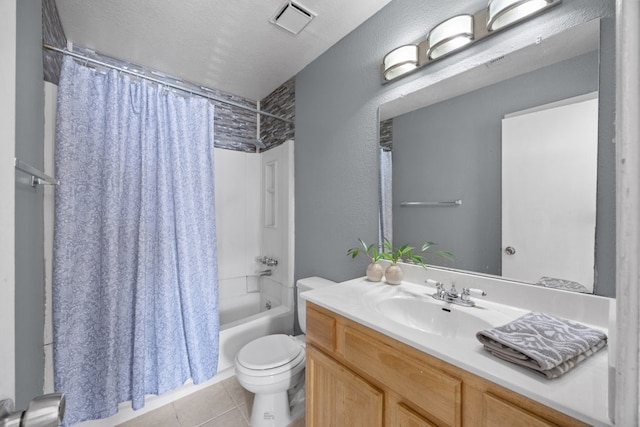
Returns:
(268, 261)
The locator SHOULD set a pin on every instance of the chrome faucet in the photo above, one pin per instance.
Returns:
(440, 292)
(268, 261)
(264, 273)
(466, 295)
(452, 296)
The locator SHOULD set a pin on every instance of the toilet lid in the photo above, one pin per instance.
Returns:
(269, 352)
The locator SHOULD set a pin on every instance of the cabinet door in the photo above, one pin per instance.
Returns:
(437, 394)
(499, 413)
(408, 418)
(338, 397)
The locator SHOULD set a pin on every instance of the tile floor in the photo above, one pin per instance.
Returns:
(224, 404)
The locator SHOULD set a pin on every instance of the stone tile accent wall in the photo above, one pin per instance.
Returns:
(234, 127)
(52, 34)
(386, 134)
(280, 102)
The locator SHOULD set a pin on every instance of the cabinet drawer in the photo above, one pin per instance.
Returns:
(436, 393)
(499, 413)
(321, 328)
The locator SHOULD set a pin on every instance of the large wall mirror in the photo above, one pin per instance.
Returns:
(448, 173)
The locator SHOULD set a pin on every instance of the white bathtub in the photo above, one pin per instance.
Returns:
(233, 309)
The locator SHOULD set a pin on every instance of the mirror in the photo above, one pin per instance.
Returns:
(443, 144)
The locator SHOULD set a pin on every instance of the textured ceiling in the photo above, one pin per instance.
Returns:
(227, 45)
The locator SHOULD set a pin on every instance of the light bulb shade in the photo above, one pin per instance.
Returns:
(502, 13)
(400, 61)
(458, 32)
(450, 35)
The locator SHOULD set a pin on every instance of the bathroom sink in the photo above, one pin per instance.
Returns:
(435, 317)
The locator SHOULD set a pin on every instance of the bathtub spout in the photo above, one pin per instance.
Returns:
(265, 273)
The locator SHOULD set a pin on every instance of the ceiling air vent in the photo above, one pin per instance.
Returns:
(292, 17)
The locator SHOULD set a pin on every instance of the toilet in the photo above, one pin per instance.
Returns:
(272, 367)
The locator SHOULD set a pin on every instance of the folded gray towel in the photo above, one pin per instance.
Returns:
(565, 285)
(547, 344)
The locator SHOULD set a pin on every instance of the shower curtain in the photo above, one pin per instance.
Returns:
(385, 227)
(135, 303)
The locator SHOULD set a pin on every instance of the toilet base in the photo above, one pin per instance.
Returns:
(271, 410)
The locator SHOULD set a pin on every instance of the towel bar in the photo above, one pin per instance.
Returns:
(420, 204)
(37, 177)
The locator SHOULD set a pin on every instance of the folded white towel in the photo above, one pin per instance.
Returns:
(547, 344)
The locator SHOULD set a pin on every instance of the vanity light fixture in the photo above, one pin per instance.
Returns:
(502, 13)
(458, 32)
(450, 35)
(400, 61)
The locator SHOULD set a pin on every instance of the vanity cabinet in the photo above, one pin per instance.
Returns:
(359, 377)
(340, 397)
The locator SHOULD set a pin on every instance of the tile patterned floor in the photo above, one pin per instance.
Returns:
(225, 404)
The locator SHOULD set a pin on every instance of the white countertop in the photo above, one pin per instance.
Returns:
(581, 393)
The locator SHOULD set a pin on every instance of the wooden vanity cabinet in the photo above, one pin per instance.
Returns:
(340, 397)
(359, 377)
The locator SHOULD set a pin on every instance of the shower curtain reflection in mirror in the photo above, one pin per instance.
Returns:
(386, 196)
(135, 300)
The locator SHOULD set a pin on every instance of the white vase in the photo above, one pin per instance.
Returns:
(393, 274)
(374, 272)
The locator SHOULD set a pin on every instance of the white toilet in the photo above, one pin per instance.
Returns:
(272, 367)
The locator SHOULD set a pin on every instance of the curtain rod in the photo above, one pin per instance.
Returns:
(201, 93)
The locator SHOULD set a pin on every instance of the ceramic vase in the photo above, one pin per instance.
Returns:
(374, 272)
(393, 274)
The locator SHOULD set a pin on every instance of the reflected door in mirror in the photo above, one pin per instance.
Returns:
(549, 174)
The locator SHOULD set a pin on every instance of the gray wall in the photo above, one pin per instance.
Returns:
(453, 149)
(337, 97)
(29, 238)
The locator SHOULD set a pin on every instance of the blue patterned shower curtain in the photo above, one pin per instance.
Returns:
(135, 300)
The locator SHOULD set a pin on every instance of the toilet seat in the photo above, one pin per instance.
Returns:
(270, 355)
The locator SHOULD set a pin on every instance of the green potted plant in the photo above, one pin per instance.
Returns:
(394, 273)
(374, 269)
(428, 252)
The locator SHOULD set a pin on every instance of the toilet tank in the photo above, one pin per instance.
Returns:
(306, 285)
